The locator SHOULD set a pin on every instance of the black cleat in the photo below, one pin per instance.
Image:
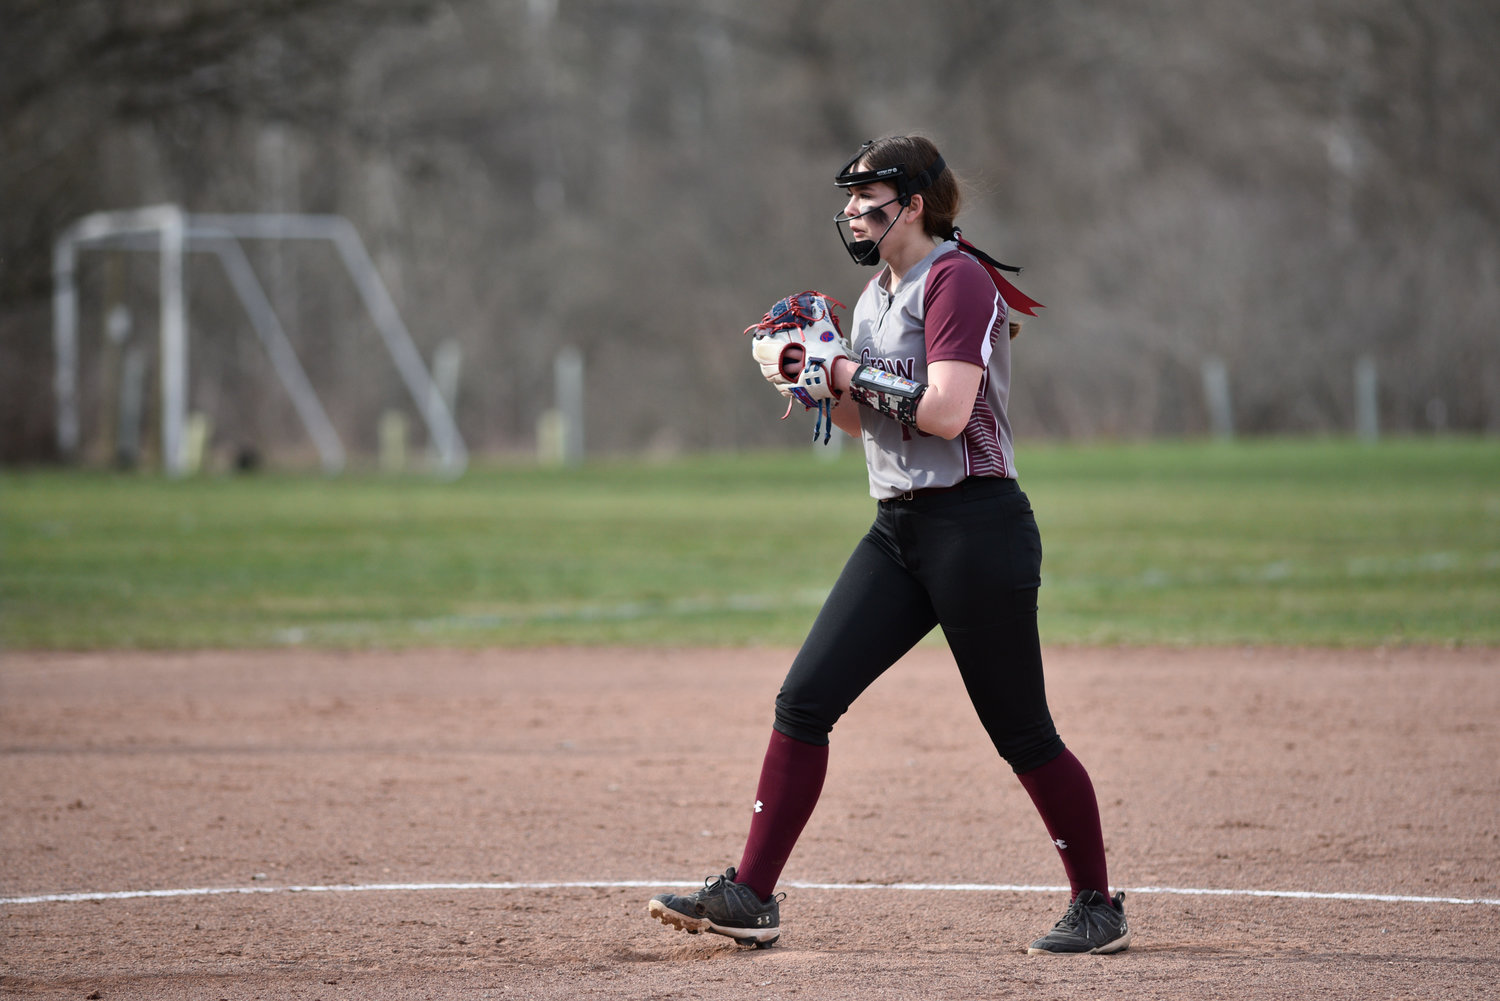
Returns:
(1093, 926)
(723, 907)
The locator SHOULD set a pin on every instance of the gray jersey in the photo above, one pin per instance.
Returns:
(946, 309)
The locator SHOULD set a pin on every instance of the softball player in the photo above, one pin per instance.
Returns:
(923, 380)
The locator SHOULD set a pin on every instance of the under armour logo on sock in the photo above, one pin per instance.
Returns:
(1062, 845)
(759, 806)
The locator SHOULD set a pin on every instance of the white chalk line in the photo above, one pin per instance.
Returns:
(214, 891)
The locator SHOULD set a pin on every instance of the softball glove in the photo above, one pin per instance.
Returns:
(795, 345)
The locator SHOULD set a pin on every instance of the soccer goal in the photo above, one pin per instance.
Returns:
(169, 232)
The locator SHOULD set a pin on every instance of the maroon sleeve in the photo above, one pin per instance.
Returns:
(962, 307)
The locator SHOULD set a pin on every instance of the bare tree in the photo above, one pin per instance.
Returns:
(1284, 188)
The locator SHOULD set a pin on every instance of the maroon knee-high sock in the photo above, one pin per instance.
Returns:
(1064, 797)
(791, 779)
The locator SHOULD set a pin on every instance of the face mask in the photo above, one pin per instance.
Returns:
(867, 252)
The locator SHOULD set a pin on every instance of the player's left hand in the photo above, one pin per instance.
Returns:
(796, 344)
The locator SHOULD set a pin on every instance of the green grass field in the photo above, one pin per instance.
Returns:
(1274, 542)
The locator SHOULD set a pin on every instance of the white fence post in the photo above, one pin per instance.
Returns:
(1216, 393)
(568, 377)
(1366, 399)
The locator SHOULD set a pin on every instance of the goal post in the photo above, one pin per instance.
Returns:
(168, 231)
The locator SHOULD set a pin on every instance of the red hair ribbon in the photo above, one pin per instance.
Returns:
(1014, 297)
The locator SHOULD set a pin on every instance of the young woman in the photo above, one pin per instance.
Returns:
(954, 545)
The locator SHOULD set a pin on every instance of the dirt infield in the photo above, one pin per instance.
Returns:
(1366, 774)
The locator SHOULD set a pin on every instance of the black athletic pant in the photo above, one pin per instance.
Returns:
(969, 560)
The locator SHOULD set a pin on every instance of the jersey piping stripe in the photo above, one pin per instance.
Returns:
(987, 346)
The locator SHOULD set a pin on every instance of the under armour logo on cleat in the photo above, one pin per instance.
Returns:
(1062, 845)
(759, 806)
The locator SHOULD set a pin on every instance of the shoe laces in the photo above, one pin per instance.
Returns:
(721, 884)
(1080, 918)
(1073, 917)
